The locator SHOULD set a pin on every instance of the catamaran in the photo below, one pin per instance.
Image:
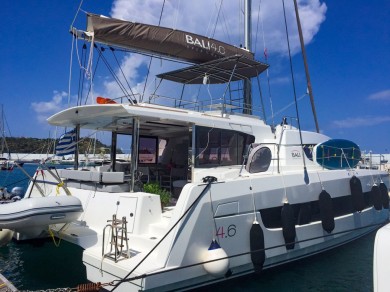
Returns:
(246, 196)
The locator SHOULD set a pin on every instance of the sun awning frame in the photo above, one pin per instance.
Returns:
(223, 70)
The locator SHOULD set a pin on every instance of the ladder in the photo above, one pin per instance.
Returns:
(118, 240)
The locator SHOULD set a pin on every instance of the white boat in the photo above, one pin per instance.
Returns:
(6, 163)
(31, 216)
(249, 196)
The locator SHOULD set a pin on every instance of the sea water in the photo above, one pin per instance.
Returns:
(45, 264)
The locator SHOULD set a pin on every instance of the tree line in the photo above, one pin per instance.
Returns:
(38, 146)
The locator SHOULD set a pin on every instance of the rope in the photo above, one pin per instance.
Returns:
(89, 287)
(214, 232)
(151, 58)
(77, 12)
(61, 184)
(123, 74)
(111, 70)
(217, 18)
(306, 176)
(267, 71)
(56, 243)
(209, 180)
(248, 253)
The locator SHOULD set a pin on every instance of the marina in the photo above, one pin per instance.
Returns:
(213, 195)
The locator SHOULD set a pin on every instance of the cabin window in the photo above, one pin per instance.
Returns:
(148, 150)
(216, 147)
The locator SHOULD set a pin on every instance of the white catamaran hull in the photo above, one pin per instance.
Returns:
(226, 211)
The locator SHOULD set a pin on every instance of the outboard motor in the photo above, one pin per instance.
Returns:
(17, 193)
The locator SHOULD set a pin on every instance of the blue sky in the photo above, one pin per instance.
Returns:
(347, 43)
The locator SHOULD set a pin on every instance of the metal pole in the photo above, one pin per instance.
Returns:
(113, 150)
(76, 152)
(306, 66)
(247, 45)
(134, 152)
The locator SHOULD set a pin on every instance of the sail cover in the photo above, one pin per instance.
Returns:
(223, 70)
(159, 40)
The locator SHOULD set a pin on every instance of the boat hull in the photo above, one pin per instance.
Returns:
(181, 256)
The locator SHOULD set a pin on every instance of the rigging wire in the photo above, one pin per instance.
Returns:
(306, 176)
(77, 12)
(70, 67)
(267, 71)
(226, 27)
(176, 14)
(81, 75)
(116, 283)
(121, 86)
(240, 21)
(120, 68)
(287, 106)
(92, 78)
(151, 58)
(257, 27)
(217, 18)
(208, 181)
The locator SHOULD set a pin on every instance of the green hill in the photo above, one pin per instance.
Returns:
(35, 145)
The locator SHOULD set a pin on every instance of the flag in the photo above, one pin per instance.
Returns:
(67, 144)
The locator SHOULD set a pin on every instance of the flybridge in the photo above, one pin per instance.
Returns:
(162, 41)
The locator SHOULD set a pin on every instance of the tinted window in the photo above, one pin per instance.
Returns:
(219, 147)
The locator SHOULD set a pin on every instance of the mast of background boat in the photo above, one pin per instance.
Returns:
(247, 45)
(2, 131)
(306, 66)
(76, 151)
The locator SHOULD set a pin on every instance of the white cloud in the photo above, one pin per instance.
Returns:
(44, 109)
(129, 66)
(381, 95)
(200, 17)
(361, 122)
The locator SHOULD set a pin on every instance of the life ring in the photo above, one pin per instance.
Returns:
(326, 211)
(288, 225)
(357, 194)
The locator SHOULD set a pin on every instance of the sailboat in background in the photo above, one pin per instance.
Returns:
(5, 162)
(246, 196)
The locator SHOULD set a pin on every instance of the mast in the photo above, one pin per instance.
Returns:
(313, 108)
(247, 45)
(2, 128)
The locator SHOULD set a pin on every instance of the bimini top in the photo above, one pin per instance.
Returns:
(232, 68)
